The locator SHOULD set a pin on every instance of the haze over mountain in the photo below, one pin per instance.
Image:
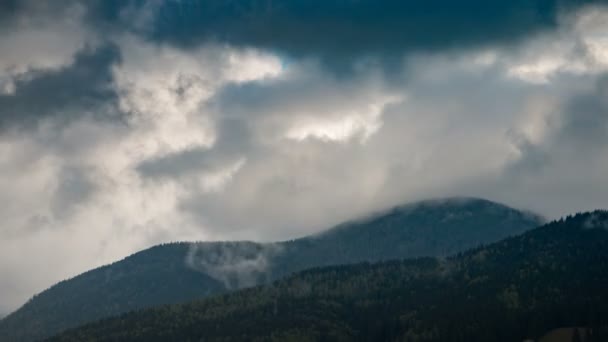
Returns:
(513, 290)
(179, 272)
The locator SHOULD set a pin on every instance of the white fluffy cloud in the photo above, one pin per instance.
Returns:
(581, 47)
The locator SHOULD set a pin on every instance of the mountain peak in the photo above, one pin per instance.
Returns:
(442, 209)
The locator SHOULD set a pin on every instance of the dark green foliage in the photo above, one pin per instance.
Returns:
(522, 287)
(161, 275)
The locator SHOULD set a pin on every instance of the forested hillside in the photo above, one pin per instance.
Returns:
(519, 288)
(179, 272)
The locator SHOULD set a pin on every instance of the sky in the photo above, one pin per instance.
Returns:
(125, 124)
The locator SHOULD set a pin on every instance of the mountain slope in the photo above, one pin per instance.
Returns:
(554, 276)
(427, 228)
(154, 276)
(179, 272)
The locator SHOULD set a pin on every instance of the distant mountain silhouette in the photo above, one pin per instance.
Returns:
(179, 272)
(518, 289)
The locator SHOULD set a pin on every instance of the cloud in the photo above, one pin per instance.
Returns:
(74, 187)
(566, 162)
(579, 48)
(585, 118)
(71, 181)
(81, 88)
(236, 264)
(36, 37)
(339, 30)
(343, 109)
(164, 88)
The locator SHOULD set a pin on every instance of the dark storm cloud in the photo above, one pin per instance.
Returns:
(337, 31)
(343, 29)
(8, 8)
(85, 86)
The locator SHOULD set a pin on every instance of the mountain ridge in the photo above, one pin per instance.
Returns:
(180, 271)
(516, 289)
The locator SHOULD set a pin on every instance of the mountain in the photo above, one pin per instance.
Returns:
(179, 272)
(427, 228)
(521, 288)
